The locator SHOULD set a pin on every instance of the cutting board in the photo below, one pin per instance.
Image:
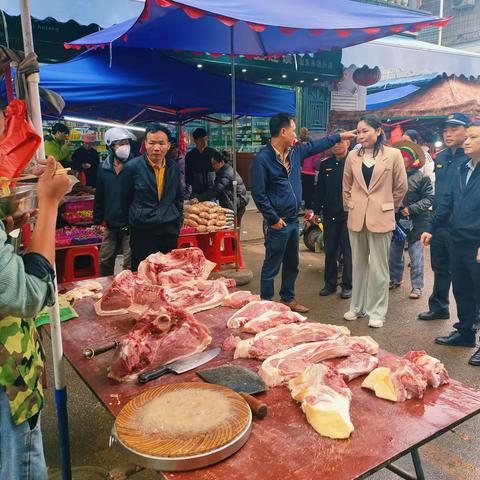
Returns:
(182, 420)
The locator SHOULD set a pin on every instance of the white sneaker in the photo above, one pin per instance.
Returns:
(352, 315)
(375, 323)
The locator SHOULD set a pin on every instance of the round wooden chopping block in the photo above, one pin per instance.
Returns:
(182, 420)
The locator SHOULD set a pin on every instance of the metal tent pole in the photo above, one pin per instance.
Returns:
(57, 347)
(234, 147)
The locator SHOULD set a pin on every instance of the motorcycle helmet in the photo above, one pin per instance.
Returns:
(116, 134)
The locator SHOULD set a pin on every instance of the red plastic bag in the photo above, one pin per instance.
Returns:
(19, 142)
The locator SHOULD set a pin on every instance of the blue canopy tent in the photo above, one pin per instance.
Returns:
(145, 85)
(387, 97)
(260, 28)
(256, 28)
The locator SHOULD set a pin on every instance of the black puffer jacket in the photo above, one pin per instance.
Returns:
(222, 189)
(418, 200)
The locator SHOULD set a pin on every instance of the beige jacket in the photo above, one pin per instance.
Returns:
(375, 206)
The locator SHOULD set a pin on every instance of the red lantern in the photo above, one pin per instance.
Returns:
(366, 76)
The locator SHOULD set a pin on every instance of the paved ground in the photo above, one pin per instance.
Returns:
(452, 456)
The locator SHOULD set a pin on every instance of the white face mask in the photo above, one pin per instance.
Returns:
(123, 152)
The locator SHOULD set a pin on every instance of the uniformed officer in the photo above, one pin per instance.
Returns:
(453, 136)
(461, 204)
(328, 204)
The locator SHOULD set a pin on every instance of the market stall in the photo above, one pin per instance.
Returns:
(283, 444)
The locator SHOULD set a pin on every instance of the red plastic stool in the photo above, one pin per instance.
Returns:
(223, 249)
(71, 274)
(186, 241)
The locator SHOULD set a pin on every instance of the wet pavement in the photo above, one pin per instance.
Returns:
(454, 455)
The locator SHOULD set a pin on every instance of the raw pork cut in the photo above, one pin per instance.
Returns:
(118, 297)
(433, 370)
(325, 400)
(175, 267)
(356, 365)
(137, 296)
(274, 340)
(271, 320)
(230, 343)
(364, 344)
(194, 296)
(283, 366)
(399, 382)
(254, 310)
(156, 340)
(240, 298)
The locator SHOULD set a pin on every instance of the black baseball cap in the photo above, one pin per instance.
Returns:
(458, 120)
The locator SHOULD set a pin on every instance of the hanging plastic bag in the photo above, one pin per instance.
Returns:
(19, 142)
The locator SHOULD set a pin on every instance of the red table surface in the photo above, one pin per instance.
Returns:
(283, 445)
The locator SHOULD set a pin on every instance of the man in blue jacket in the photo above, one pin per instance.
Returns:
(461, 205)
(277, 192)
(152, 197)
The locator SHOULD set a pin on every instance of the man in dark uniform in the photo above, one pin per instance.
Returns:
(328, 204)
(461, 204)
(445, 164)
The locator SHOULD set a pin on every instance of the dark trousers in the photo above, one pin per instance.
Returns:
(466, 287)
(308, 186)
(144, 242)
(335, 238)
(281, 250)
(440, 260)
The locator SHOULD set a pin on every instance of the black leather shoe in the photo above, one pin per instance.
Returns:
(325, 291)
(346, 293)
(475, 359)
(456, 339)
(433, 316)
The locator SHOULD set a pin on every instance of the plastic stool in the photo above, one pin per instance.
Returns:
(186, 241)
(72, 274)
(223, 249)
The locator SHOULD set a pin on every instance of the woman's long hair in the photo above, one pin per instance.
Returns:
(374, 122)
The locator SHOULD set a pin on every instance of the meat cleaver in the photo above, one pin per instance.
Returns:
(180, 366)
(241, 380)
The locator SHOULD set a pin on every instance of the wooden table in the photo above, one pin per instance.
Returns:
(283, 445)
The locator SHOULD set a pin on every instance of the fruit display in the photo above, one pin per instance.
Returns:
(78, 236)
(78, 209)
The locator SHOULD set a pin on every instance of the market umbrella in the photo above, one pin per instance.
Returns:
(256, 28)
(56, 332)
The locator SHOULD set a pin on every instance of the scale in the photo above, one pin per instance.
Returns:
(183, 426)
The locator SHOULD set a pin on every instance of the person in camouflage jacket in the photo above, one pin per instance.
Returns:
(26, 286)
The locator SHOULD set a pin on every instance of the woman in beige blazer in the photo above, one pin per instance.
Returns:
(374, 184)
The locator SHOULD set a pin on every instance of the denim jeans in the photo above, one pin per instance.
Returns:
(21, 447)
(281, 250)
(415, 251)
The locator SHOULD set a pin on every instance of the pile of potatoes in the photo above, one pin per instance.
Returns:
(205, 216)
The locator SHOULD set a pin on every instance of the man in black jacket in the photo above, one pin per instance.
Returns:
(199, 173)
(446, 163)
(328, 204)
(107, 208)
(222, 189)
(153, 197)
(461, 204)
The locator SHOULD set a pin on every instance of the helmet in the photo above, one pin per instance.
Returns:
(116, 134)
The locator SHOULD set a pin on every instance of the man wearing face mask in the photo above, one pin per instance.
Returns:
(107, 208)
